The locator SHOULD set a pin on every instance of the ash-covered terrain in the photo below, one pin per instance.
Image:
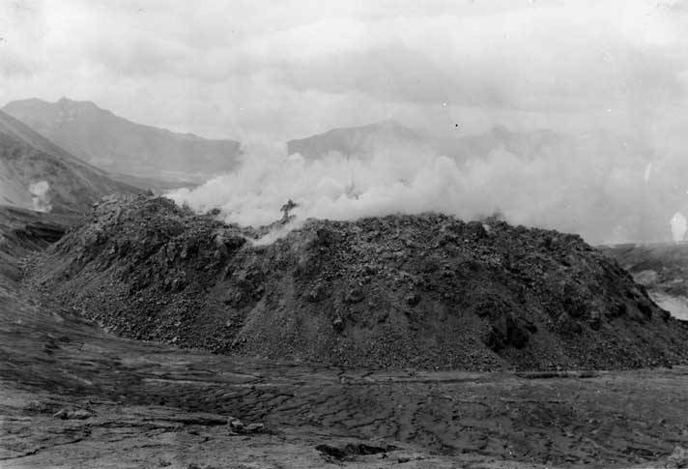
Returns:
(77, 396)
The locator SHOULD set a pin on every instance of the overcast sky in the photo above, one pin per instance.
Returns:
(283, 69)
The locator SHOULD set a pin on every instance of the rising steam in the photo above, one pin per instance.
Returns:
(679, 226)
(336, 187)
(40, 197)
(569, 187)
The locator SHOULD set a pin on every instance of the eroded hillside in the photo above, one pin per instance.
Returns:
(37, 174)
(426, 291)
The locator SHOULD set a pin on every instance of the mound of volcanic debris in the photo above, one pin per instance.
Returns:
(426, 291)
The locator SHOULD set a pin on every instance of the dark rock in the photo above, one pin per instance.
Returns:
(317, 293)
(645, 307)
(476, 230)
(349, 451)
(235, 425)
(326, 237)
(617, 310)
(338, 324)
(508, 332)
(412, 299)
(354, 295)
(595, 320)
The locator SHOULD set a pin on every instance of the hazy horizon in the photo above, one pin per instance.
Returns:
(612, 75)
(279, 70)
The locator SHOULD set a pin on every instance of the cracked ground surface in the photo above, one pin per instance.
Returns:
(151, 405)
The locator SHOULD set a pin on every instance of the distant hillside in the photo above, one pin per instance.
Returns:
(662, 268)
(37, 174)
(463, 147)
(355, 141)
(597, 183)
(365, 140)
(121, 146)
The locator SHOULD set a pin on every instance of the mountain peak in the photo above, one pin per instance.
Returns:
(359, 140)
(66, 103)
(40, 175)
(119, 145)
(63, 101)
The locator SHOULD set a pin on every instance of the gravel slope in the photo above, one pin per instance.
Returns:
(425, 291)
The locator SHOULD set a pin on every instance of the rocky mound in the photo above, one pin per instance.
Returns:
(24, 231)
(399, 291)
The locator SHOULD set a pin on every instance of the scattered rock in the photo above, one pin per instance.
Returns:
(79, 414)
(595, 320)
(678, 459)
(412, 299)
(316, 294)
(254, 428)
(338, 324)
(349, 451)
(237, 426)
(354, 295)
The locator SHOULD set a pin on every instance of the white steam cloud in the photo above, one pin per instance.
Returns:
(679, 226)
(333, 187)
(39, 196)
(566, 187)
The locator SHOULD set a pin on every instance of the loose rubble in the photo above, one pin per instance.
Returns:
(423, 291)
(77, 414)
(678, 459)
(236, 426)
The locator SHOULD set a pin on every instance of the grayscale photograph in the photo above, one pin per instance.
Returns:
(276, 234)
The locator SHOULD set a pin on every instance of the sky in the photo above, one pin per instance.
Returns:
(609, 75)
(253, 70)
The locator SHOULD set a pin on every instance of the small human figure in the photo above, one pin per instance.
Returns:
(286, 208)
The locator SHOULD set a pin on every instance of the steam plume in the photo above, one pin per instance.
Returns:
(679, 225)
(39, 196)
(567, 186)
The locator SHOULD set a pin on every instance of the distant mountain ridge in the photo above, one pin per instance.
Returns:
(360, 141)
(118, 145)
(589, 175)
(363, 141)
(37, 174)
